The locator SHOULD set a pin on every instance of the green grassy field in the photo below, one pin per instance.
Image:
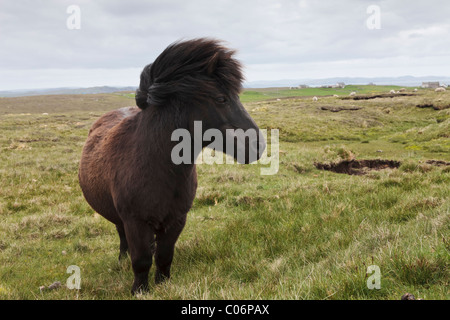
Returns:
(302, 233)
(249, 95)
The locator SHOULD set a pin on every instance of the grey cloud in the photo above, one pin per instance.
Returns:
(129, 34)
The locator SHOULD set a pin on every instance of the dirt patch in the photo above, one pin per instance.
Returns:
(357, 167)
(433, 106)
(382, 95)
(438, 162)
(337, 109)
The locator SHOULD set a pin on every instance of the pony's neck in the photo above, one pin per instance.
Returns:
(154, 132)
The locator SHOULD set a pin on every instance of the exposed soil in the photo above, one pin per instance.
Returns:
(357, 167)
(337, 109)
(382, 95)
(438, 162)
(435, 107)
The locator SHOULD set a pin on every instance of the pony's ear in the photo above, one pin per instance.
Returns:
(212, 64)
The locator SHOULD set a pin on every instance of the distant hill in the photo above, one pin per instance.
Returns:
(52, 91)
(408, 81)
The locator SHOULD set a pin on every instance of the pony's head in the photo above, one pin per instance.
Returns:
(201, 81)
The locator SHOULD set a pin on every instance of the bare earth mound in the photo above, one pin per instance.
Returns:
(374, 96)
(337, 109)
(438, 162)
(357, 167)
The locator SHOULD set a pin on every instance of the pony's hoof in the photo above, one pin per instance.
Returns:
(139, 289)
(160, 278)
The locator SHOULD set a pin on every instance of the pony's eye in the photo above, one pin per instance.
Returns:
(221, 99)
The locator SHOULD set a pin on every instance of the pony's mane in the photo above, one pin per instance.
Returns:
(189, 69)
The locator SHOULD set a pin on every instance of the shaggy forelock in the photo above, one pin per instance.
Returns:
(188, 69)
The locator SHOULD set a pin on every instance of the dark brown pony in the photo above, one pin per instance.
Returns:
(126, 171)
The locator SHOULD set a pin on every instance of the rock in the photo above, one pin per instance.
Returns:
(54, 285)
(408, 296)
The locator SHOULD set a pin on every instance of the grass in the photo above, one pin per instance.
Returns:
(249, 95)
(299, 234)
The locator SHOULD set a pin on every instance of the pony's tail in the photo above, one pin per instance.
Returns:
(143, 91)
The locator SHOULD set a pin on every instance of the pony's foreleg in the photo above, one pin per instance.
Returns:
(165, 246)
(141, 239)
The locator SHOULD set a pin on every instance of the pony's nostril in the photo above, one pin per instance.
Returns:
(261, 147)
(257, 148)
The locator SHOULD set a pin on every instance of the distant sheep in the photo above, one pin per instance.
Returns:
(402, 90)
(315, 99)
(440, 89)
(392, 91)
(415, 89)
(335, 95)
(353, 93)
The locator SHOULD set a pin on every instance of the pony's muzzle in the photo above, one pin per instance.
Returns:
(249, 148)
(258, 146)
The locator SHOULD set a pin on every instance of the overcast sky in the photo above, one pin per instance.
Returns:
(291, 39)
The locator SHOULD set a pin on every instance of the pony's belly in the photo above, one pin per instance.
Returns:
(96, 190)
(94, 174)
